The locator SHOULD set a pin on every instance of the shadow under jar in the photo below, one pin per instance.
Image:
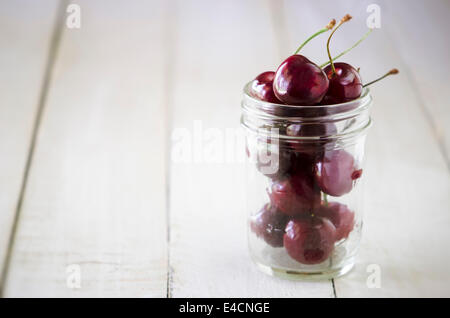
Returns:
(304, 185)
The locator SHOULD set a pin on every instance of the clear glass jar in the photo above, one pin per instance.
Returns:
(304, 185)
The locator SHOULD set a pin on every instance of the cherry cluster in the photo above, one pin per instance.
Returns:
(299, 216)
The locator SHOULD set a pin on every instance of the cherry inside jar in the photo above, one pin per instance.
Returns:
(305, 185)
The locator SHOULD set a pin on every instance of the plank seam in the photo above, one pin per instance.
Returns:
(169, 45)
(334, 288)
(51, 58)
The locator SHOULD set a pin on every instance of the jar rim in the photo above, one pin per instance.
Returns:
(348, 109)
(257, 114)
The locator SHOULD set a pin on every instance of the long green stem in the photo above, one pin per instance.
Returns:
(327, 28)
(343, 20)
(349, 49)
(391, 72)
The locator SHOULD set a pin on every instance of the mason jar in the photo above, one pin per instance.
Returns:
(305, 185)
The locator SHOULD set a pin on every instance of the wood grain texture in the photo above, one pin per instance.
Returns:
(96, 192)
(216, 54)
(421, 40)
(25, 32)
(138, 71)
(407, 182)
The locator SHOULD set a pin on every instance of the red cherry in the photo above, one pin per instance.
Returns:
(345, 84)
(275, 165)
(296, 195)
(357, 174)
(334, 172)
(309, 240)
(304, 164)
(262, 88)
(269, 224)
(341, 217)
(298, 81)
(313, 147)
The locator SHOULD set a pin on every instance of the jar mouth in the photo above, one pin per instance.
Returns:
(282, 111)
(322, 122)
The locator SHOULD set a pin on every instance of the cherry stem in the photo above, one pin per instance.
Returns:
(391, 72)
(343, 20)
(349, 49)
(328, 27)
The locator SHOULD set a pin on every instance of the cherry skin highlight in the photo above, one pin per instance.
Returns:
(262, 88)
(269, 224)
(344, 85)
(335, 172)
(298, 81)
(340, 215)
(309, 240)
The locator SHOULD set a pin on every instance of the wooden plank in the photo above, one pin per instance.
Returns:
(94, 206)
(25, 33)
(421, 40)
(216, 54)
(407, 184)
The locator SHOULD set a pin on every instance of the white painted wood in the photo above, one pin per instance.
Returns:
(421, 39)
(96, 192)
(25, 32)
(219, 47)
(407, 183)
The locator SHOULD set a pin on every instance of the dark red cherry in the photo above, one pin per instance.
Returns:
(313, 129)
(304, 163)
(311, 147)
(273, 159)
(344, 85)
(262, 88)
(269, 224)
(340, 215)
(335, 172)
(274, 165)
(298, 81)
(309, 240)
(296, 195)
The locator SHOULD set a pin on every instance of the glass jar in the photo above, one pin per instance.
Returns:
(304, 185)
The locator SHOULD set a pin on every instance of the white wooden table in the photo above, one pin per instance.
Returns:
(86, 119)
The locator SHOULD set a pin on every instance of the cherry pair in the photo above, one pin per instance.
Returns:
(299, 81)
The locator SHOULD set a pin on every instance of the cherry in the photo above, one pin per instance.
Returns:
(344, 80)
(274, 165)
(309, 240)
(311, 129)
(262, 88)
(345, 84)
(269, 224)
(335, 172)
(340, 215)
(274, 160)
(304, 164)
(297, 194)
(298, 81)
(314, 147)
